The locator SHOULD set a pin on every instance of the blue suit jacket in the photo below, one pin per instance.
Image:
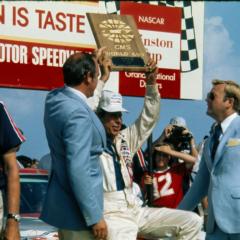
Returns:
(76, 138)
(220, 180)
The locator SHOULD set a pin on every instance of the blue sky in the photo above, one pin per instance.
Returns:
(221, 60)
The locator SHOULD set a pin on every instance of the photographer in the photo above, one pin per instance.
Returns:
(177, 134)
(167, 180)
(182, 140)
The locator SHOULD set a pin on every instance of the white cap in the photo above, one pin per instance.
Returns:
(178, 121)
(111, 102)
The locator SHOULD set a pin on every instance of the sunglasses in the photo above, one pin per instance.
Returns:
(211, 96)
(116, 114)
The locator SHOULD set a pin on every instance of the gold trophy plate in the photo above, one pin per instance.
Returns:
(120, 35)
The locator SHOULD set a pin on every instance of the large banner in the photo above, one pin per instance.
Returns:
(160, 29)
(36, 37)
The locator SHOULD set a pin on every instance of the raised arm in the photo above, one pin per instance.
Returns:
(184, 156)
(105, 68)
(148, 118)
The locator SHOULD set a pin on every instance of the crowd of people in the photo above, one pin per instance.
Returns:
(96, 190)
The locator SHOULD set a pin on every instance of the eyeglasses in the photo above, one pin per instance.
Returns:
(116, 114)
(211, 96)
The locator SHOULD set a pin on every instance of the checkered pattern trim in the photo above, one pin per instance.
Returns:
(189, 57)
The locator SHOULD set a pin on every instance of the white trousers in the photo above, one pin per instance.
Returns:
(127, 220)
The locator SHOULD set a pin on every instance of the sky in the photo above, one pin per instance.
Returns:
(221, 60)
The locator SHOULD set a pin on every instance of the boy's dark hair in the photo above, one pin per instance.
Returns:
(155, 152)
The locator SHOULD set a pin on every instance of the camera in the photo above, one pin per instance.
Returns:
(179, 139)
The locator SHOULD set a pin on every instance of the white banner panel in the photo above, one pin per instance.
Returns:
(36, 37)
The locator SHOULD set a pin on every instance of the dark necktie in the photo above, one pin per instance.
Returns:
(215, 139)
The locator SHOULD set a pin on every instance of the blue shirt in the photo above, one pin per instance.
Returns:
(10, 137)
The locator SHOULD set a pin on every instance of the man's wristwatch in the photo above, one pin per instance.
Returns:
(14, 216)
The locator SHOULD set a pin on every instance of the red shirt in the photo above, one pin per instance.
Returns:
(168, 186)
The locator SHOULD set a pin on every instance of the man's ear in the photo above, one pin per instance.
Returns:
(231, 101)
(88, 78)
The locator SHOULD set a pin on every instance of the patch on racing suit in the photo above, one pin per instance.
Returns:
(126, 154)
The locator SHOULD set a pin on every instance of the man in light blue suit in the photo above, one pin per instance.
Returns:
(76, 138)
(219, 170)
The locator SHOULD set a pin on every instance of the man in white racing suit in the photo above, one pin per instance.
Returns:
(125, 217)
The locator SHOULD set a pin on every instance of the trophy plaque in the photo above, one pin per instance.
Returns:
(120, 35)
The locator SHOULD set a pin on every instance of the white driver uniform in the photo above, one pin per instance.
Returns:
(125, 217)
